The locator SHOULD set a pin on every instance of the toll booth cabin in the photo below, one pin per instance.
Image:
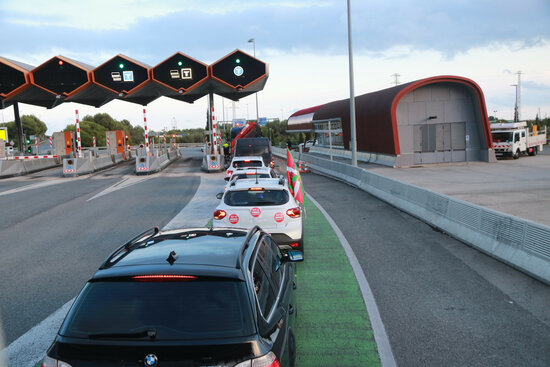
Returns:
(116, 142)
(63, 143)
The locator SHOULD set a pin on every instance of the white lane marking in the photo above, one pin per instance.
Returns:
(378, 329)
(37, 185)
(201, 207)
(30, 347)
(122, 184)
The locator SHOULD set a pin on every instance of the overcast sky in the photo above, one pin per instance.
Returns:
(304, 42)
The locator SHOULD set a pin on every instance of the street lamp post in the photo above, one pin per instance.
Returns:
(253, 41)
(351, 95)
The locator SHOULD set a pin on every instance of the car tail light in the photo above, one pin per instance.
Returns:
(294, 244)
(272, 164)
(269, 360)
(256, 189)
(293, 212)
(219, 214)
(247, 161)
(229, 172)
(51, 362)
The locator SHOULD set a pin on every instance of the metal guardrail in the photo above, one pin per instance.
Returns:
(518, 242)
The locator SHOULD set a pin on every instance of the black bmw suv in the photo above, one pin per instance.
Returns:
(190, 297)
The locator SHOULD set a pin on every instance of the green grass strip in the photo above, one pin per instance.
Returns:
(332, 324)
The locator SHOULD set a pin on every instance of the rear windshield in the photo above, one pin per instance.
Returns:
(251, 149)
(254, 175)
(175, 310)
(242, 164)
(256, 198)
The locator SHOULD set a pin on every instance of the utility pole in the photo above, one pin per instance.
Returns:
(253, 41)
(396, 81)
(518, 96)
(516, 113)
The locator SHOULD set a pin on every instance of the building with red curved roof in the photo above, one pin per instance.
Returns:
(432, 120)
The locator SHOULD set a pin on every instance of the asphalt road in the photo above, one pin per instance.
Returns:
(54, 237)
(442, 303)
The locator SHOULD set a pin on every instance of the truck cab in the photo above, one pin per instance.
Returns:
(513, 139)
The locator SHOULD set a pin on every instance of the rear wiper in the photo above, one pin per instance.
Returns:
(144, 333)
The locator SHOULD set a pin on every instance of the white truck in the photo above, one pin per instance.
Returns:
(510, 139)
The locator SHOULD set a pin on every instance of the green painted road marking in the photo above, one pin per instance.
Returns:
(332, 325)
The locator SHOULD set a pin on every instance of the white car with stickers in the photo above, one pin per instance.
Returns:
(266, 202)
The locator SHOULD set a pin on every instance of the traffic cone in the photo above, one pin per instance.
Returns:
(300, 166)
(305, 167)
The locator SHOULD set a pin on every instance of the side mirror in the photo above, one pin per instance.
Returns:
(219, 195)
(293, 256)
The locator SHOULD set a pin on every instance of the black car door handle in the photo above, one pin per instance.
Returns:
(290, 309)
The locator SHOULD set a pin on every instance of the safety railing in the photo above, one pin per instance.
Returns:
(518, 242)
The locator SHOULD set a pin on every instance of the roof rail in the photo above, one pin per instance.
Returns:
(251, 233)
(125, 249)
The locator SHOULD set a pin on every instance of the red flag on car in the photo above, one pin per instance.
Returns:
(293, 177)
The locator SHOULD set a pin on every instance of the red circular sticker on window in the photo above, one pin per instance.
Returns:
(233, 218)
(279, 217)
(255, 212)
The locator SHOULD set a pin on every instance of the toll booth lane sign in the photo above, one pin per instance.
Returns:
(120, 74)
(239, 69)
(180, 72)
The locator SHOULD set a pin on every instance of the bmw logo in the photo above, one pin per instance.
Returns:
(150, 360)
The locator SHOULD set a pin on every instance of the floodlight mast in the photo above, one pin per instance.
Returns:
(351, 95)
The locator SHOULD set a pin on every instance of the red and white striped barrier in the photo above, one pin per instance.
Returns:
(23, 157)
(78, 143)
(36, 145)
(51, 144)
(146, 134)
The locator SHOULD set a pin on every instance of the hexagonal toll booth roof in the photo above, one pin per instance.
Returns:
(14, 79)
(181, 77)
(121, 76)
(238, 75)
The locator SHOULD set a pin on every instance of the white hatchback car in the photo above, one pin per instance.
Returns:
(244, 162)
(265, 202)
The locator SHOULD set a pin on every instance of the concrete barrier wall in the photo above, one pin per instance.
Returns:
(154, 163)
(117, 158)
(102, 162)
(11, 168)
(518, 242)
(33, 165)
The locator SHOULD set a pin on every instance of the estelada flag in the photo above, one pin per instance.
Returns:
(293, 177)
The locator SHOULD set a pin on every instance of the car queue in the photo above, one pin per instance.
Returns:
(218, 296)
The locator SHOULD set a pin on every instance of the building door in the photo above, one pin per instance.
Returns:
(437, 143)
